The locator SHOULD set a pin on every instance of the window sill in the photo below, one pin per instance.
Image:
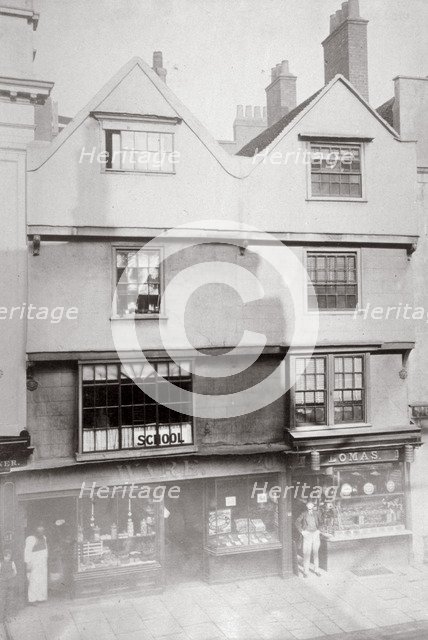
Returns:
(138, 173)
(126, 454)
(333, 312)
(334, 199)
(141, 316)
(327, 427)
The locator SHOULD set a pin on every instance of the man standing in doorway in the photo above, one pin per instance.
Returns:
(36, 560)
(308, 525)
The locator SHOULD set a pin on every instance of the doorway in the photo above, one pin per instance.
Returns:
(58, 517)
(184, 534)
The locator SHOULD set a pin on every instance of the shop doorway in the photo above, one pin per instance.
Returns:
(184, 534)
(58, 517)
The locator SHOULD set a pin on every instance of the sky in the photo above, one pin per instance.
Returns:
(218, 53)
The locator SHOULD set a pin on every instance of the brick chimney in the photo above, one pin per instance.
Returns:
(247, 125)
(158, 65)
(281, 93)
(345, 49)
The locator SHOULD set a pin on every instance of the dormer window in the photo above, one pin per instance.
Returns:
(135, 143)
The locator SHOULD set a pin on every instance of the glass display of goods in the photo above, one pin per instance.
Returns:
(246, 521)
(112, 535)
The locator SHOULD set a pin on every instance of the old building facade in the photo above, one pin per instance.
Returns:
(101, 238)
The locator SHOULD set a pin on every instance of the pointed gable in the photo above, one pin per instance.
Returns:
(133, 94)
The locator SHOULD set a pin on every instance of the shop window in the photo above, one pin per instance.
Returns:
(117, 414)
(336, 171)
(139, 151)
(115, 531)
(241, 513)
(330, 390)
(137, 282)
(360, 500)
(333, 280)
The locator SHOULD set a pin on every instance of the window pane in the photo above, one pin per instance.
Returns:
(329, 273)
(310, 404)
(349, 403)
(336, 171)
(110, 404)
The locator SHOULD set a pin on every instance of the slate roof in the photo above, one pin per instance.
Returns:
(264, 139)
(385, 111)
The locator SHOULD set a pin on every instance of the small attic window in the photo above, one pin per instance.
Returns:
(139, 151)
(336, 170)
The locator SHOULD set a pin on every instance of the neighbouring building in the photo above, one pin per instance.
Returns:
(217, 497)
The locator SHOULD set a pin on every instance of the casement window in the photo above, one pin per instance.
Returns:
(117, 414)
(336, 171)
(139, 151)
(330, 389)
(137, 281)
(334, 280)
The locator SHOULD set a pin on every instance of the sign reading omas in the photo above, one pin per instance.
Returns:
(351, 457)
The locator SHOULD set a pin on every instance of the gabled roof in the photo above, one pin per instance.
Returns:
(38, 156)
(386, 111)
(267, 137)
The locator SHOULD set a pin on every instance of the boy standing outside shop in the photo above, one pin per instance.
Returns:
(308, 524)
(7, 584)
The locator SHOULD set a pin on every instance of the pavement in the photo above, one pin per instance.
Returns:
(336, 606)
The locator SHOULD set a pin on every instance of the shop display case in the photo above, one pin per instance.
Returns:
(118, 536)
(115, 532)
(242, 518)
(369, 502)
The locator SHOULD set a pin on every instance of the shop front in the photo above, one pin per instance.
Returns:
(363, 497)
(142, 525)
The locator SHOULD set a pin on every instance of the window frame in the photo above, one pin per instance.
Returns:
(132, 246)
(134, 123)
(329, 392)
(136, 451)
(147, 131)
(337, 141)
(359, 272)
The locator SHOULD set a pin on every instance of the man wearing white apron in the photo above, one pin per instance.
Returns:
(36, 560)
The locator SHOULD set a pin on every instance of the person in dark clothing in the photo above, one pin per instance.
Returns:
(7, 585)
(308, 524)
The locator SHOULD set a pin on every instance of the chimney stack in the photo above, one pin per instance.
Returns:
(345, 49)
(46, 120)
(247, 125)
(281, 93)
(158, 65)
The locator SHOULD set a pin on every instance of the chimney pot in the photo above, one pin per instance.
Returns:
(353, 8)
(249, 111)
(339, 17)
(239, 111)
(344, 10)
(158, 65)
(284, 68)
(257, 113)
(333, 22)
(157, 59)
(273, 73)
(264, 113)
